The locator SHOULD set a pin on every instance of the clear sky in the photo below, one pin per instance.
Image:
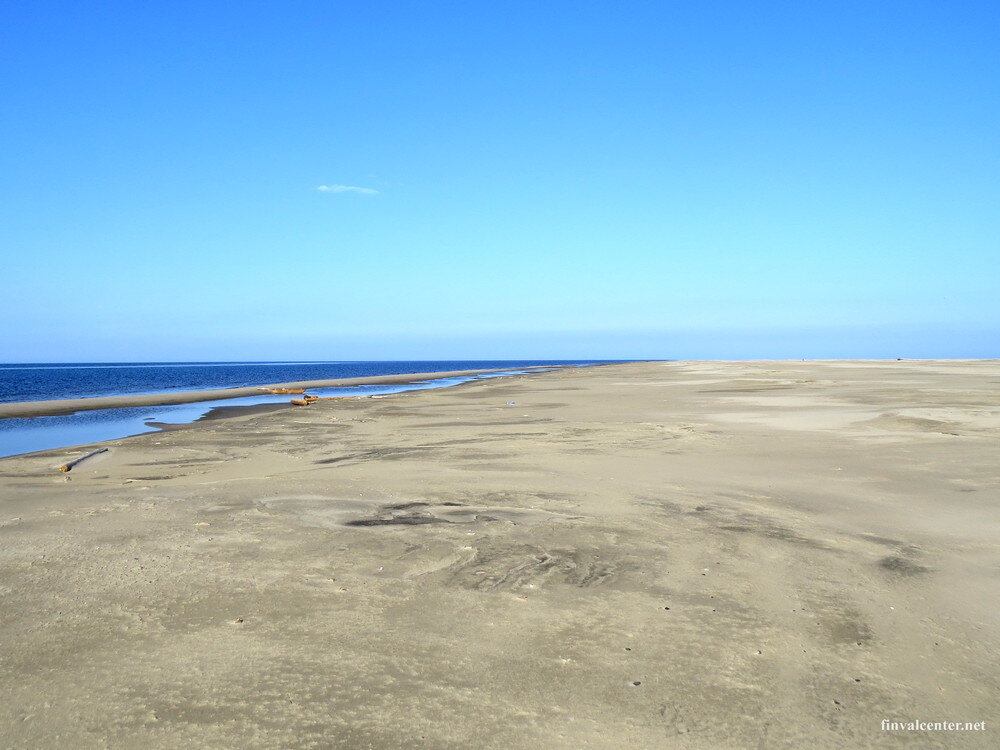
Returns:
(538, 179)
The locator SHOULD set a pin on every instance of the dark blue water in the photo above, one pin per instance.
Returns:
(36, 382)
(39, 382)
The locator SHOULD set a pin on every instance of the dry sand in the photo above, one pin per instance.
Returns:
(691, 555)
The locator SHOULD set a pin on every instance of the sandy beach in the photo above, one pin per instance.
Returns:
(681, 554)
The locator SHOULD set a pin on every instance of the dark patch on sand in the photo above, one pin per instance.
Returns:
(407, 520)
(846, 626)
(406, 506)
(902, 566)
(883, 540)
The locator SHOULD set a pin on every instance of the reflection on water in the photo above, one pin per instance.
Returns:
(44, 433)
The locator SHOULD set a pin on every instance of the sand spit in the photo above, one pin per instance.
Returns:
(698, 555)
(71, 405)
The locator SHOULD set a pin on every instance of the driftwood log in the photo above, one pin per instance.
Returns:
(69, 465)
(307, 399)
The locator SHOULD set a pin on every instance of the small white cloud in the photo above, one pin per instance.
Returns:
(346, 189)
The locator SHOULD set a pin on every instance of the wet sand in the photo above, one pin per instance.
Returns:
(691, 555)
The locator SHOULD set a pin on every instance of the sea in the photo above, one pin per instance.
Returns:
(45, 381)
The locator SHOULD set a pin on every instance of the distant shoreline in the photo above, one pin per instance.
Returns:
(56, 407)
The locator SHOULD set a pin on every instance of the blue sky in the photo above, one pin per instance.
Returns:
(540, 179)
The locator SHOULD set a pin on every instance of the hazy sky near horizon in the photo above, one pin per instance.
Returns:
(405, 180)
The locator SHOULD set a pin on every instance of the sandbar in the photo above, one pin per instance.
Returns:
(71, 405)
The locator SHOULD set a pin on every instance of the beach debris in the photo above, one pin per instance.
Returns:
(68, 466)
(283, 391)
(308, 399)
(512, 403)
